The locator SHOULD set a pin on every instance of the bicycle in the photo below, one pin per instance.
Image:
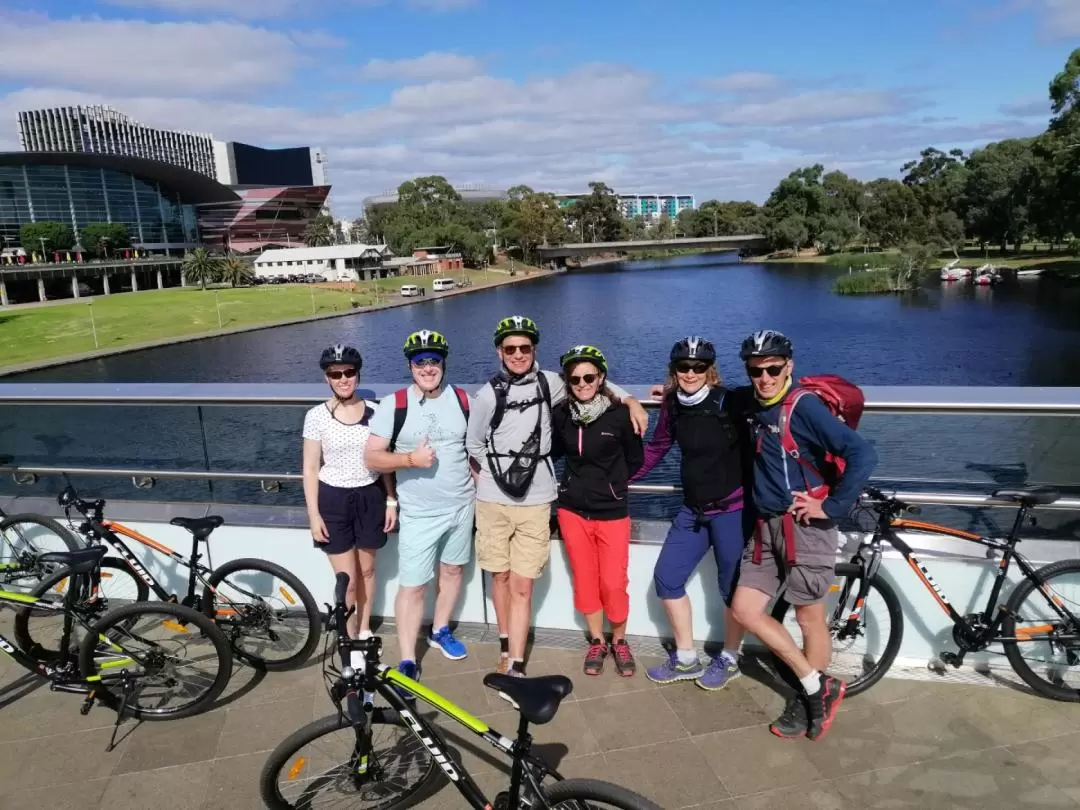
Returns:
(1010, 624)
(389, 776)
(21, 547)
(283, 613)
(101, 665)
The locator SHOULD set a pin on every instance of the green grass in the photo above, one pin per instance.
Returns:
(868, 282)
(57, 330)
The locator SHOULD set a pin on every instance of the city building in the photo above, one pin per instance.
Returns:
(427, 261)
(332, 262)
(105, 131)
(257, 218)
(649, 206)
(241, 164)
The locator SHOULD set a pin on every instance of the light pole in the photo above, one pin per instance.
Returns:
(43, 252)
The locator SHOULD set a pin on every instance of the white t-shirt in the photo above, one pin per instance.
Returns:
(342, 447)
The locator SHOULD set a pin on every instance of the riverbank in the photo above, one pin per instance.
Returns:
(1059, 264)
(40, 336)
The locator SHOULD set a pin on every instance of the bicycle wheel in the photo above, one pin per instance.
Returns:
(22, 538)
(1037, 617)
(567, 794)
(121, 641)
(38, 632)
(862, 654)
(317, 766)
(268, 615)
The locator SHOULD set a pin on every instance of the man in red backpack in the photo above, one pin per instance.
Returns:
(809, 468)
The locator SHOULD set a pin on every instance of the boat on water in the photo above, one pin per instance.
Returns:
(1033, 272)
(987, 275)
(951, 272)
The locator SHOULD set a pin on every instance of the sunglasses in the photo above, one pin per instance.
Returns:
(348, 374)
(525, 350)
(697, 368)
(588, 379)
(757, 371)
(427, 361)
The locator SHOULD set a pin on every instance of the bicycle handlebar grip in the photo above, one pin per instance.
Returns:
(341, 588)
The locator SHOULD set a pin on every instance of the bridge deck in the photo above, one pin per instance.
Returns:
(905, 743)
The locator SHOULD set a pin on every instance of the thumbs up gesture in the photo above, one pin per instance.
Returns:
(424, 455)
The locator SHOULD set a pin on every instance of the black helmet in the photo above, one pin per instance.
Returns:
(517, 325)
(766, 343)
(693, 348)
(340, 354)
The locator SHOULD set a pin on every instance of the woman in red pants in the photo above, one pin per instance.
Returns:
(592, 430)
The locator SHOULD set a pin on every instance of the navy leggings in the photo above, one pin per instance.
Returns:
(685, 546)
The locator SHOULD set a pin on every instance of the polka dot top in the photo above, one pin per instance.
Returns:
(342, 447)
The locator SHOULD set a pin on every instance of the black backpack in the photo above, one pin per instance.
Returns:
(516, 479)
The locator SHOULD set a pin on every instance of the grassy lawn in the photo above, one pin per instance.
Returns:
(39, 333)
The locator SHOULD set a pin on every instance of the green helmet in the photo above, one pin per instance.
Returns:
(426, 341)
(517, 325)
(583, 352)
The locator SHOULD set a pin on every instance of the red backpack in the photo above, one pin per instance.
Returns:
(845, 401)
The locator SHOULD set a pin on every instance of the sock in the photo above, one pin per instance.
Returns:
(517, 665)
(364, 635)
(504, 644)
(730, 657)
(687, 656)
(811, 683)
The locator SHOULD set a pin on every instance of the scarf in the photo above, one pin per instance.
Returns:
(585, 412)
(695, 398)
(768, 403)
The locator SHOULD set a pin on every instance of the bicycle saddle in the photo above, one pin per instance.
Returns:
(199, 527)
(81, 561)
(536, 698)
(1029, 496)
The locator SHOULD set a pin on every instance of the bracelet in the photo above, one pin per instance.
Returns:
(408, 458)
(391, 502)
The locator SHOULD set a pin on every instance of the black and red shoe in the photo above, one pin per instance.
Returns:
(823, 705)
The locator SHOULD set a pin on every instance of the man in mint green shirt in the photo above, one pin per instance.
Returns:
(435, 491)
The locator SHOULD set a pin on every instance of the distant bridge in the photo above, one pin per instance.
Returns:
(739, 242)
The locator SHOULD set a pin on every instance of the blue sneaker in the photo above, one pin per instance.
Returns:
(721, 671)
(450, 646)
(672, 670)
(410, 670)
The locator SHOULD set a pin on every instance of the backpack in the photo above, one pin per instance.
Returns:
(516, 479)
(845, 401)
(501, 386)
(401, 408)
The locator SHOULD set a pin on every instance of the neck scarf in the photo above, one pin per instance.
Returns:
(768, 403)
(693, 399)
(585, 412)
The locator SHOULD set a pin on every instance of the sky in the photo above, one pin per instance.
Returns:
(716, 98)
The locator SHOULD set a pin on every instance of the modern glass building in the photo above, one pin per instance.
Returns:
(155, 200)
(649, 206)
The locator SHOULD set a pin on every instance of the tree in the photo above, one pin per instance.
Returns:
(596, 217)
(532, 219)
(319, 231)
(236, 271)
(938, 180)
(798, 202)
(893, 216)
(200, 267)
(1001, 178)
(103, 238)
(56, 236)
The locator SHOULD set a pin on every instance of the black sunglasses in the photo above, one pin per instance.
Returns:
(348, 374)
(697, 368)
(512, 350)
(757, 371)
(588, 379)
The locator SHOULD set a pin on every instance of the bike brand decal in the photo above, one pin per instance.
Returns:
(928, 580)
(131, 560)
(441, 758)
(6, 647)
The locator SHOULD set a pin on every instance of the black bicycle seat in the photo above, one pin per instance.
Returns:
(81, 561)
(536, 698)
(1029, 496)
(199, 527)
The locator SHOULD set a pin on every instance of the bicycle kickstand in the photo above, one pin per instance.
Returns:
(126, 684)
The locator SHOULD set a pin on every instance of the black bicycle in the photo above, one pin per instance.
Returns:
(132, 658)
(348, 756)
(24, 537)
(268, 615)
(1042, 613)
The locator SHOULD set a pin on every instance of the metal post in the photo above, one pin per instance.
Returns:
(134, 282)
(3, 293)
(160, 281)
(93, 326)
(312, 291)
(74, 286)
(217, 305)
(41, 290)
(105, 282)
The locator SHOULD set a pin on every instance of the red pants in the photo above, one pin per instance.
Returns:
(599, 552)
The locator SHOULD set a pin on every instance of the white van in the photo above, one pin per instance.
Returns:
(409, 290)
(441, 284)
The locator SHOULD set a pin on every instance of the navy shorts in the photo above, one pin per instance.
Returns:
(354, 517)
(689, 540)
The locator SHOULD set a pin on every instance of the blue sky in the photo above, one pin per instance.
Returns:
(718, 99)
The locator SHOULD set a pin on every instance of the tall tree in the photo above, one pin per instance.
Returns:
(1001, 180)
(800, 198)
(596, 216)
(532, 219)
(894, 216)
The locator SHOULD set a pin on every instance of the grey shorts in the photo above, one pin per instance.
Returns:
(809, 579)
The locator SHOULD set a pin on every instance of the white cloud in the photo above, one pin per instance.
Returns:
(442, 5)
(1028, 107)
(434, 65)
(1059, 19)
(828, 105)
(243, 9)
(744, 82)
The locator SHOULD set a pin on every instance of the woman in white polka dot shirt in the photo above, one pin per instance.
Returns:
(350, 508)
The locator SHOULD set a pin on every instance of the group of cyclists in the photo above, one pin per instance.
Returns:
(455, 473)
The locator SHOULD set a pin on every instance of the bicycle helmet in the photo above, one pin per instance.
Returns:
(766, 343)
(517, 325)
(340, 354)
(426, 341)
(583, 352)
(693, 348)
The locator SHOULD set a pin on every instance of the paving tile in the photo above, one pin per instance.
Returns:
(233, 783)
(814, 796)
(609, 682)
(42, 713)
(261, 727)
(1054, 758)
(621, 721)
(752, 760)
(177, 742)
(1008, 716)
(178, 788)
(569, 729)
(702, 712)
(672, 774)
(34, 762)
(71, 796)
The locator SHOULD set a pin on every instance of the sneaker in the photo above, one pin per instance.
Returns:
(410, 670)
(517, 670)
(794, 721)
(450, 646)
(672, 670)
(504, 663)
(823, 705)
(721, 671)
(594, 658)
(625, 664)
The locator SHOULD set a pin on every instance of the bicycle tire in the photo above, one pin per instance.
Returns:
(1012, 648)
(280, 758)
(853, 574)
(179, 614)
(593, 790)
(70, 541)
(22, 617)
(311, 609)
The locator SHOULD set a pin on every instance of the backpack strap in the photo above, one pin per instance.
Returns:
(545, 389)
(791, 447)
(401, 410)
(463, 401)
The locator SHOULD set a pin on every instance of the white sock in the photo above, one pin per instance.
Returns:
(811, 683)
(356, 657)
(687, 656)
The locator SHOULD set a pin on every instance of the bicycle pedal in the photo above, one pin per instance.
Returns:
(952, 659)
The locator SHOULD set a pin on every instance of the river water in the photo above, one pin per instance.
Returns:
(1016, 334)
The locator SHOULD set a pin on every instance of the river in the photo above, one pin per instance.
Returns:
(1016, 334)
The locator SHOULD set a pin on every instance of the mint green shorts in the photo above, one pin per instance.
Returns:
(448, 537)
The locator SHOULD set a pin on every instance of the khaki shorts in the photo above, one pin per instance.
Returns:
(809, 580)
(513, 538)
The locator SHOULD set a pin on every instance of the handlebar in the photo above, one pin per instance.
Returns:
(69, 498)
(886, 506)
(339, 620)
